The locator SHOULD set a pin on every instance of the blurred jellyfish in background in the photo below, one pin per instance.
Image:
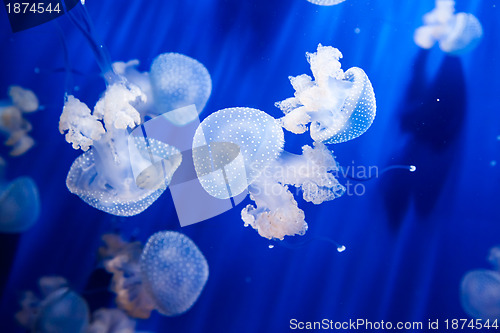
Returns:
(338, 105)
(326, 2)
(111, 321)
(455, 33)
(168, 275)
(480, 290)
(19, 203)
(102, 176)
(174, 81)
(59, 310)
(12, 123)
(264, 168)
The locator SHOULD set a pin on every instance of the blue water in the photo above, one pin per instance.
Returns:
(410, 238)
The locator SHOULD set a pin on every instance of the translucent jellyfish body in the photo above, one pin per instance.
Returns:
(12, 122)
(19, 204)
(480, 290)
(178, 81)
(338, 106)
(167, 275)
(326, 2)
(102, 176)
(174, 271)
(232, 147)
(174, 82)
(59, 310)
(455, 33)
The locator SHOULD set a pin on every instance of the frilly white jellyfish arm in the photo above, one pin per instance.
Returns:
(338, 105)
(82, 128)
(24, 99)
(277, 214)
(455, 32)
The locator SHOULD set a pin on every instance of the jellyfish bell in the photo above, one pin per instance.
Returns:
(174, 271)
(480, 294)
(178, 81)
(252, 135)
(338, 105)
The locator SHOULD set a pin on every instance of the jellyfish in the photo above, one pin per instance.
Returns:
(13, 125)
(174, 82)
(111, 321)
(480, 290)
(338, 105)
(326, 2)
(455, 33)
(263, 168)
(167, 275)
(59, 309)
(102, 176)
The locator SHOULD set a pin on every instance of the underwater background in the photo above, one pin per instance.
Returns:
(410, 237)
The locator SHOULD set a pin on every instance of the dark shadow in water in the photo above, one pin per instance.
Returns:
(432, 119)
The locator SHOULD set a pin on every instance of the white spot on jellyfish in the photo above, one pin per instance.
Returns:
(341, 248)
(413, 168)
(339, 106)
(326, 2)
(178, 81)
(455, 33)
(168, 275)
(480, 290)
(59, 310)
(357, 31)
(232, 147)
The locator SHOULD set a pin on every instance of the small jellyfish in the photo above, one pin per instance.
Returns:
(480, 290)
(167, 275)
(12, 123)
(60, 309)
(102, 176)
(178, 81)
(455, 33)
(111, 321)
(326, 2)
(338, 105)
(262, 168)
